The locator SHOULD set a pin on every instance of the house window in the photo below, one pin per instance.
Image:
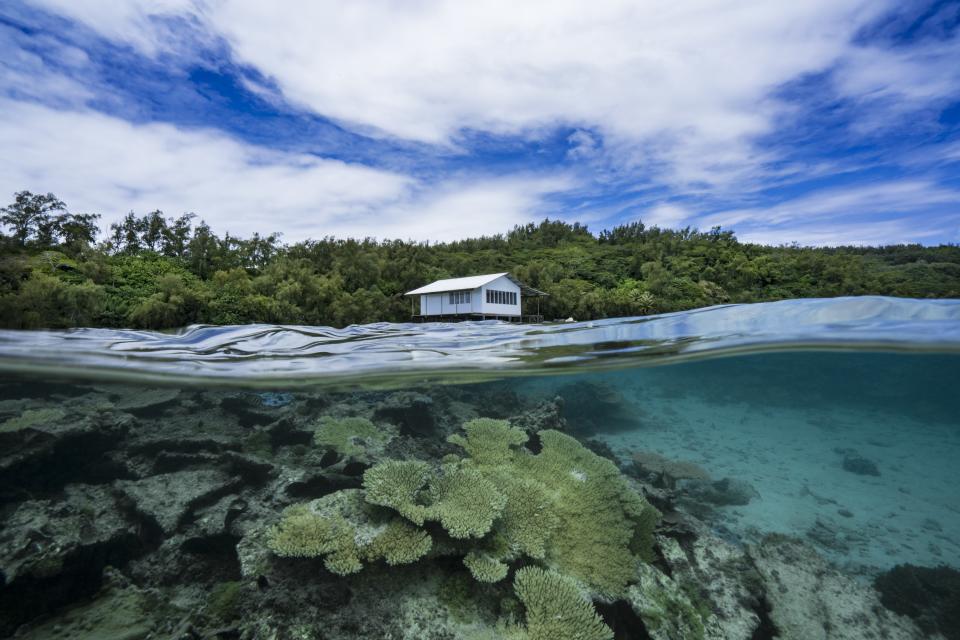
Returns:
(459, 297)
(501, 297)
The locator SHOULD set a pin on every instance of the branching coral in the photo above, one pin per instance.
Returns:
(397, 484)
(346, 531)
(556, 610)
(485, 568)
(465, 502)
(564, 507)
(352, 437)
(488, 441)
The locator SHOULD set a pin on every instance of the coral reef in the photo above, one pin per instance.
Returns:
(565, 507)
(202, 513)
(556, 609)
(346, 531)
(356, 438)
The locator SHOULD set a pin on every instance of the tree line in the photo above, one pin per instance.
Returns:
(154, 271)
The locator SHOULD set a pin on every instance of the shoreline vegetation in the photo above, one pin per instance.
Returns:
(159, 272)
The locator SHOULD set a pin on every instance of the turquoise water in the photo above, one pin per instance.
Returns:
(793, 450)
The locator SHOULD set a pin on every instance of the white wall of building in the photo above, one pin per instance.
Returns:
(502, 283)
(436, 304)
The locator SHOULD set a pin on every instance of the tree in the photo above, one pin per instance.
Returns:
(154, 228)
(176, 236)
(79, 230)
(28, 213)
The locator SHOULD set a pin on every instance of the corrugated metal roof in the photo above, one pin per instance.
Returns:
(456, 284)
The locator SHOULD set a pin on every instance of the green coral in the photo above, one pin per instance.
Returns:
(346, 532)
(565, 508)
(352, 437)
(400, 543)
(465, 502)
(485, 568)
(302, 533)
(489, 441)
(397, 484)
(33, 418)
(556, 610)
(606, 525)
(565, 505)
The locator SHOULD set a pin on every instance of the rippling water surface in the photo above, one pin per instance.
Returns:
(793, 449)
(264, 354)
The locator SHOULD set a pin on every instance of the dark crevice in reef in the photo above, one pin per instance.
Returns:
(354, 469)
(329, 458)
(623, 621)
(77, 459)
(214, 558)
(767, 630)
(247, 416)
(81, 576)
(534, 444)
(319, 486)
(179, 445)
(285, 434)
(252, 471)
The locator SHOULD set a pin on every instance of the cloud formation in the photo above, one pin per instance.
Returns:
(97, 162)
(714, 111)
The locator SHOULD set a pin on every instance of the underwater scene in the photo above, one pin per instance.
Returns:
(779, 470)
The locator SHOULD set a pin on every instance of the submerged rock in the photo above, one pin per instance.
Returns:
(719, 574)
(50, 449)
(119, 611)
(594, 407)
(929, 595)
(167, 498)
(856, 463)
(545, 415)
(40, 535)
(52, 552)
(666, 471)
(143, 402)
(810, 600)
(722, 493)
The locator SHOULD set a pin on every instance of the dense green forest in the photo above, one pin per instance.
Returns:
(152, 271)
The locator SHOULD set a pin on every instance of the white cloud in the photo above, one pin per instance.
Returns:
(888, 83)
(135, 22)
(680, 88)
(665, 216)
(669, 96)
(101, 164)
(905, 210)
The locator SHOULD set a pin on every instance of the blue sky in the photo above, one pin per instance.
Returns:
(830, 122)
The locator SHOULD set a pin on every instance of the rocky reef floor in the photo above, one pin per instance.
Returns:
(131, 513)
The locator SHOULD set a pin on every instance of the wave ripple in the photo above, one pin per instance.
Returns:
(273, 355)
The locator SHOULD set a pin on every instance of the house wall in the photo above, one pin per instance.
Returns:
(435, 304)
(502, 283)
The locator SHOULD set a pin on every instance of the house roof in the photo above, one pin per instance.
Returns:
(471, 282)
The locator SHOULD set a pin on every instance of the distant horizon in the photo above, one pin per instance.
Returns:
(823, 123)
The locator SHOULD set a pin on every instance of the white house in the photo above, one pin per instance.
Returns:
(495, 295)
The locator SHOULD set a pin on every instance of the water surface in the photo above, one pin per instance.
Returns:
(140, 471)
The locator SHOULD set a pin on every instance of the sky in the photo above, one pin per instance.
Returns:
(820, 122)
